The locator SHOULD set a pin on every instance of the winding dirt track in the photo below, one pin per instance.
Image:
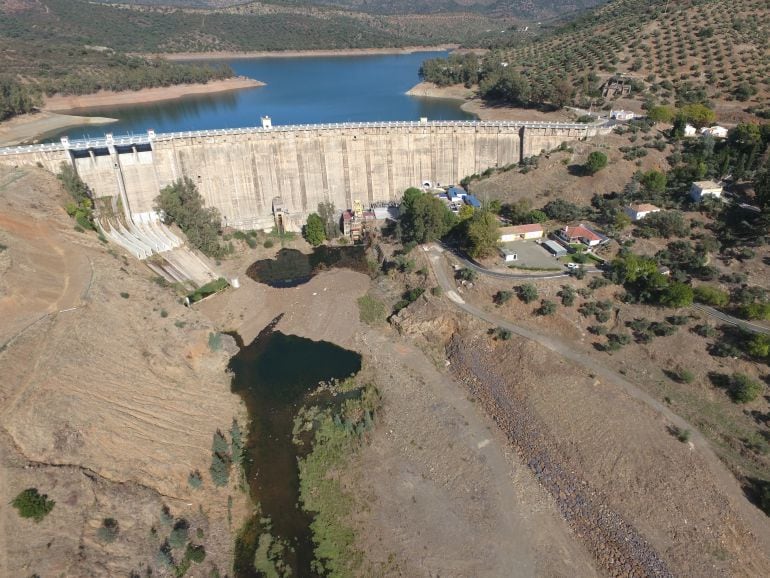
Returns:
(726, 481)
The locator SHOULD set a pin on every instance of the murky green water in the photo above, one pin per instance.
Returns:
(274, 375)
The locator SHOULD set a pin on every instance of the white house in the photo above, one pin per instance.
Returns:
(508, 253)
(521, 232)
(640, 211)
(701, 189)
(716, 131)
(622, 115)
(690, 130)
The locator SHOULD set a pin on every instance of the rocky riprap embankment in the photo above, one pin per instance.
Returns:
(617, 546)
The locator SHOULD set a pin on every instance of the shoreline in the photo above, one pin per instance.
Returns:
(106, 98)
(32, 127)
(232, 55)
(474, 105)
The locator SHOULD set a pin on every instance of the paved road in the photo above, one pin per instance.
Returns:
(752, 327)
(710, 311)
(500, 275)
(725, 479)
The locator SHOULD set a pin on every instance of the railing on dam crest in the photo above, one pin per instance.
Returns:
(149, 137)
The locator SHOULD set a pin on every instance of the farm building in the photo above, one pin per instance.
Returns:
(690, 130)
(472, 201)
(518, 232)
(508, 253)
(702, 189)
(639, 212)
(581, 234)
(555, 248)
(622, 115)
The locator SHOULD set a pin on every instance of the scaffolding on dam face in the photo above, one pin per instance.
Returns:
(150, 136)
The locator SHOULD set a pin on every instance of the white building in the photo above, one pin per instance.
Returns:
(622, 115)
(690, 130)
(716, 131)
(521, 232)
(640, 211)
(701, 189)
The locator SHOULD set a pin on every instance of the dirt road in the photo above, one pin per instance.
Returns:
(755, 519)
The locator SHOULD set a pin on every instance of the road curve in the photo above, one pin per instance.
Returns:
(752, 515)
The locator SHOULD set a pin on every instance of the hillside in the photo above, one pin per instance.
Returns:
(669, 52)
(508, 8)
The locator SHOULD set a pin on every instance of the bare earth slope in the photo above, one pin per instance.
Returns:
(105, 405)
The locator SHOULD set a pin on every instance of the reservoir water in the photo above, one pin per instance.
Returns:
(301, 90)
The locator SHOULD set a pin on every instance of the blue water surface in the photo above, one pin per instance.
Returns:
(301, 90)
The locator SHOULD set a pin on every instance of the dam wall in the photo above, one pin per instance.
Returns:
(242, 171)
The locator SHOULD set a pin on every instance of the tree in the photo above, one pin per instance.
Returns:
(677, 295)
(220, 460)
(561, 210)
(710, 296)
(699, 114)
(661, 114)
(547, 307)
(32, 504)
(314, 230)
(181, 203)
(654, 181)
(424, 217)
(482, 234)
(596, 161)
(328, 215)
(527, 292)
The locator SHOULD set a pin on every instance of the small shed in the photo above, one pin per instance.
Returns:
(509, 254)
(555, 248)
(690, 130)
(640, 211)
(701, 189)
(715, 131)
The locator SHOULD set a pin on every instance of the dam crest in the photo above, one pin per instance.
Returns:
(241, 171)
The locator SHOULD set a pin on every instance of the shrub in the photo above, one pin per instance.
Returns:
(683, 435)
(163, 313)
(603, 316)
(436, 291)
(705, 330)
(32, 504)
(596, 161)
(683, 375)
(179, 535)
(598, 283)
(125, 295)
(371, 311)
(215, 341)
(502, 297)
(195, 480)
(709, 295)
(108, 531)
(567, 295)
(546, 308)
(466, 274)
(597, 329)
(195, 554)
(165, 516)
(502, 333)
(220, 460)
(268, 244)
(527, 292)
(743, 389)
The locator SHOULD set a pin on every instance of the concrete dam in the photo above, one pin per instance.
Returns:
(245, 173)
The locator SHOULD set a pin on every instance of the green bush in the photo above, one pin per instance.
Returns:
(503, 334)
(546, 308)
(208, 289)
(195, 554)
(527, 292)
(502, 297)
(596, 161)
(178, 537)
(215, 341)
(709, 295)
(32, 504)
(567, 295)
(195, 480)
(268, 244)
(743, 389)
(108, 531)
(683, 375)
(220, 460)
(371, 310)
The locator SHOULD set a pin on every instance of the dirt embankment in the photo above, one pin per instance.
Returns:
(109, 399)
(59, 102)
(222, 55)
(28, 128)
(483, 110)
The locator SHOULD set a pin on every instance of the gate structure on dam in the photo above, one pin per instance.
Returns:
(241, 171)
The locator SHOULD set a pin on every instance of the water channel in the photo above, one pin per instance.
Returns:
(301, 90)
(275, 375)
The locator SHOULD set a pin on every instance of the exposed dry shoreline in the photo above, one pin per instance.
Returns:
(477, 107)
(59, 103)
(177, 56)
(28, 128)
